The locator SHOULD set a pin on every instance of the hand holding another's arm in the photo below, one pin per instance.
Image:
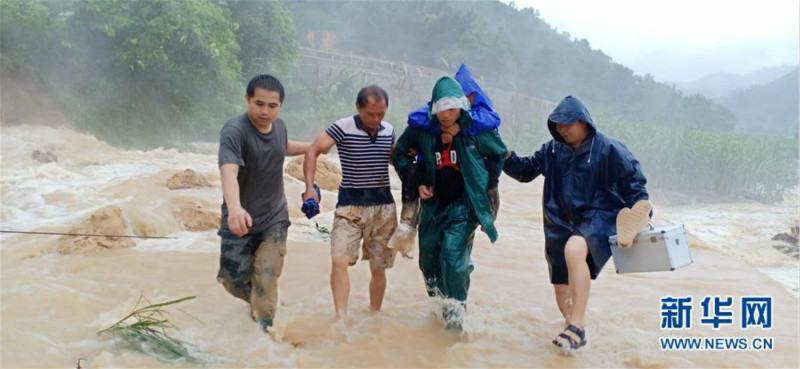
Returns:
(425, 192)
(323, 143)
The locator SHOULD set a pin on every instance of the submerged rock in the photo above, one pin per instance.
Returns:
(785, 237)
(187, 179)
(195, 217)
(44, 157)
(328, 176)
(788, 244)
(106, 221)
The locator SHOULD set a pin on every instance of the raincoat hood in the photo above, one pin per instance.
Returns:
(469, 85)
(447, 87)
(569, 110)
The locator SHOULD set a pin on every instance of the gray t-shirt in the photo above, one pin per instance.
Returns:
(260, 160)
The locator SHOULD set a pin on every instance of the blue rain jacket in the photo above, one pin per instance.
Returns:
(584, 189)
(484, 118)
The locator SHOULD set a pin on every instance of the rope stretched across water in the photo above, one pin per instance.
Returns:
(88, 235)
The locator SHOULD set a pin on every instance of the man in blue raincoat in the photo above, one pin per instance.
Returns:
(593, 188)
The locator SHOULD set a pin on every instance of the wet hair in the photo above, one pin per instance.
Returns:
(266, 82)
(376, 92)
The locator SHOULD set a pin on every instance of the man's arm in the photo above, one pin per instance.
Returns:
(419, 119)
(322, 144)
(239, 220)
(492, 148)
(402, 150)
(484, 119)
(626, 171)
(527, 168)
(294, 148)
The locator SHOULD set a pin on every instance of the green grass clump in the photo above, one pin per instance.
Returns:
(146, 329)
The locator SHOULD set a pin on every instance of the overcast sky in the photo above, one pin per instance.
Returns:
(682, 40)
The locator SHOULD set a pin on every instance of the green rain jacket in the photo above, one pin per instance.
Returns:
(471, 153)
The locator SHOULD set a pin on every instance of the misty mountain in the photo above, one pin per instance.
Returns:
(720, 85)
(692, 64)
(512, 49)
(771, 108)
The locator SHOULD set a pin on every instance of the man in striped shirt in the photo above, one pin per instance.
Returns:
(365, 209)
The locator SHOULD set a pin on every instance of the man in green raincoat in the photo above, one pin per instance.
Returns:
(453, 180)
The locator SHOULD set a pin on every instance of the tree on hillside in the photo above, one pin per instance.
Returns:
(153, 69)
(148, 73)
(266, 36)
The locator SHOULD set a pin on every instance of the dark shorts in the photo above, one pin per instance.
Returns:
(557, 262)
(238, 256)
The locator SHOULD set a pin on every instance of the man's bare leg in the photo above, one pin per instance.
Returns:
(340, 284)
(576, 252)
(563, 299)
(377, 289)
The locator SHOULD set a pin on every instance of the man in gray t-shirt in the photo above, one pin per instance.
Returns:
(259, 157)
(255, 219)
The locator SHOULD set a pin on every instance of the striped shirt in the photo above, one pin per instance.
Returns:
(365, 162)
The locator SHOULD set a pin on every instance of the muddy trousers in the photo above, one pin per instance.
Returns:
(249, 267)
(446, 234)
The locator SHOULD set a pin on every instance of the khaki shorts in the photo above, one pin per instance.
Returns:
(374, 224)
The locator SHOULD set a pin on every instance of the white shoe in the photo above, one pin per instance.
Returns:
(630, 221)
